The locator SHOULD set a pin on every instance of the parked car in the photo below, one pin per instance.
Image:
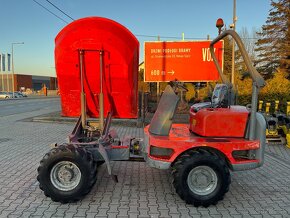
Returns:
(22, 94)
(6, 95)
(17, 95)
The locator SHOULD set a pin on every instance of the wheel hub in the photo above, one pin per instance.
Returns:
(202, 180)
(65, 175)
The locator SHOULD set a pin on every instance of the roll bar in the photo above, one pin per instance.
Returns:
(256, 77)
(258, 80)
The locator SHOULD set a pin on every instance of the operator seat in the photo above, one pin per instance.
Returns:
(220, 98)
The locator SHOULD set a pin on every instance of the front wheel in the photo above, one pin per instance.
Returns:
(201, 178)
(66, 173)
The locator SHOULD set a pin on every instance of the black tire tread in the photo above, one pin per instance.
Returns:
(186, 158)
(75, 150)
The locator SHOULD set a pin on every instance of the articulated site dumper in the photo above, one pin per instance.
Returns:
(219, 137)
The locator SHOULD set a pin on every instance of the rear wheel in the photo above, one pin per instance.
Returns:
(66, 173)
(201, 178)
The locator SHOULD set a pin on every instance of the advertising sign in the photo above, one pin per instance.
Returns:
(187, 61)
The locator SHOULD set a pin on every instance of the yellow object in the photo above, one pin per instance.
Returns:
(260, 105)
(267, 110)
(276, 106)
(288, 109)
(271, 133)
(288, 140)
(285, 130)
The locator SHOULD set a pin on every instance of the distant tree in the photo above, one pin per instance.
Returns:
(273, 47)
(249, 40)
(227, 56)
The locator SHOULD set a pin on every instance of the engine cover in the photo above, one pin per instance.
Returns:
(219, 122)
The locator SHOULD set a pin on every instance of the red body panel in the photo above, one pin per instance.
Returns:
(180, 140)
(219, 122)
(120, 66)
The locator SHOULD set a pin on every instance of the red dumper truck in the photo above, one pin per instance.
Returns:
(97, 65)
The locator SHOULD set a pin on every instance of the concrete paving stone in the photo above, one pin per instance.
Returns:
(13, 216)
(193, 211)
(39, 211)
(84, 205)
(124, 205)
(226, 215)
(153, 209)
(112, 215)
(260, 215)
(113, 209)
(81, 212)
(277, 216)
(143, 212)
(164, 213)
(133, 209)
(216, 216)
(154, 215)
(52, 208)
(213, 211)
(104, 205)
(60, 212)
(6, 203)
(96, 200)
(123, 212)
(184, 215)
(173, 210)
(62, 206)
(133, 214)
(90, 215)
(233, 211)
(162, 206)
(12, 206)
(5, 213)
(69, 214)
(18, 211)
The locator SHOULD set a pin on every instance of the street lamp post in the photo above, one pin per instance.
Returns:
(12, 53)
(233, 43)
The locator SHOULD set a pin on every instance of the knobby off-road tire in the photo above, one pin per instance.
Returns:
(201, 178)
(67, 173)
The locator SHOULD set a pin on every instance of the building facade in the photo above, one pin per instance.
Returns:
(23, 82)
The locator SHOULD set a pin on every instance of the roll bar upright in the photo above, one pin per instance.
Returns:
(257, 79)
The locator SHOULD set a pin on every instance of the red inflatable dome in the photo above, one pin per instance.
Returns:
(120, 55)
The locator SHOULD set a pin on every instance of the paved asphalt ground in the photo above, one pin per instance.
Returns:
(141, 191)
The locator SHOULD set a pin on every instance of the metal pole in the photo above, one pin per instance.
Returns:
(12, 53)
(2, 81)
(12, 71)
(157, 83)
(233, 43)
(101, 95)
(2, 88)
(83, 95)
(7, 78)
